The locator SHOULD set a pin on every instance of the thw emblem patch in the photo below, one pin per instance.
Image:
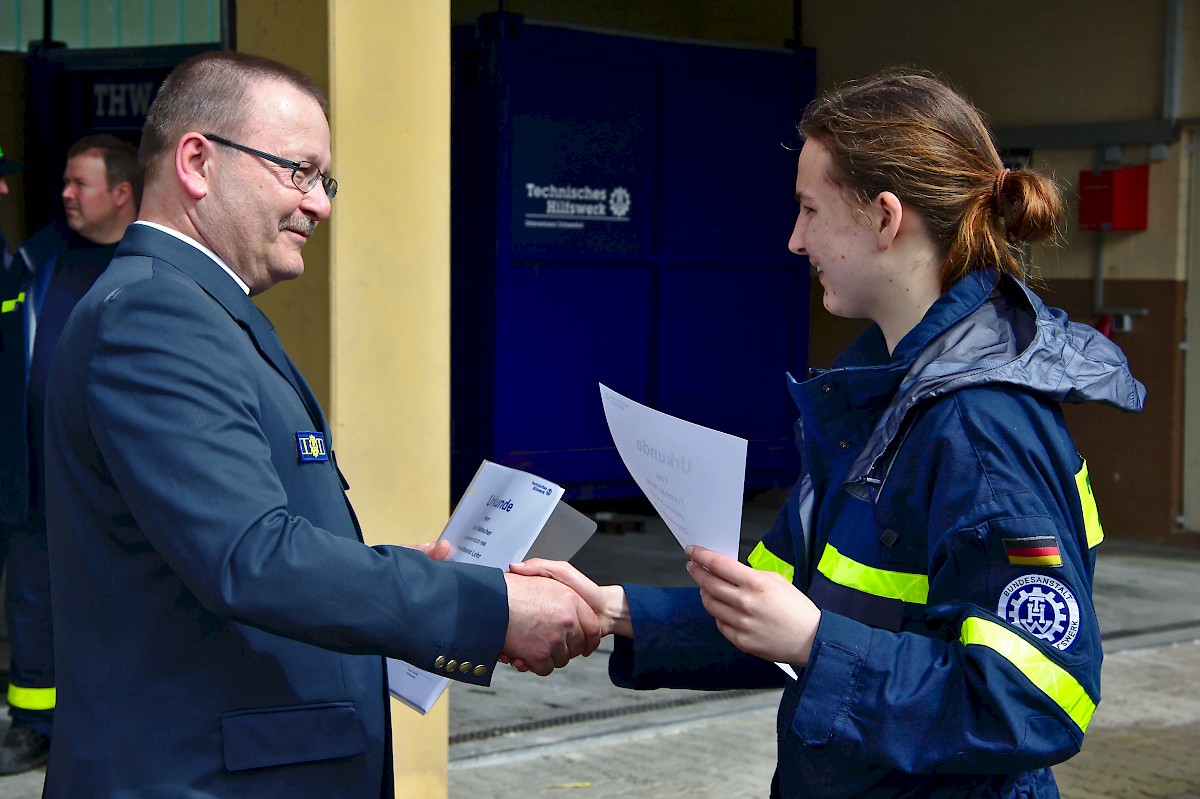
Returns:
(1042, 606)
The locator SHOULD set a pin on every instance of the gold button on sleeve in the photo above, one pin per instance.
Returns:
(452, 665)
(464, 667)
(480, 671)
(441, 661)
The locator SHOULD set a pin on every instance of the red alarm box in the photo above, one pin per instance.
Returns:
(1114, 199)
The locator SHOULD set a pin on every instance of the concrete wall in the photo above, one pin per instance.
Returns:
(1029, 63)
(1022, 61)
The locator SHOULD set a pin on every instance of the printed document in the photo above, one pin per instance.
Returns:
(693, 476)
(505, 516)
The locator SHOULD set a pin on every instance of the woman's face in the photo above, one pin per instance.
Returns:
(841, 240)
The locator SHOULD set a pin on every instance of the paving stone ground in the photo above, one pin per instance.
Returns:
(1143, 742)
(1145, 738)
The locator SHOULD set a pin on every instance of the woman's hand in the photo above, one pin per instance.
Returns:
(759, 612)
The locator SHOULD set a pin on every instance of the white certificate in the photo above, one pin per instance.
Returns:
(693, 476)
(505, 516)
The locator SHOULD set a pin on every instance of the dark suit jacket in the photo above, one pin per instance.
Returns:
(219, 624)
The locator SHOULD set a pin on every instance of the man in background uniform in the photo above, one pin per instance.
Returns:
(101, 188)
(12, 363)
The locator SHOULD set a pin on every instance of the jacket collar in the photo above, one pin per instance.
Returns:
(988, 329)
(43, 246)
(193, 262)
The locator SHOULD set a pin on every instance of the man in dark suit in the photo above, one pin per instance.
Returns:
(219, 624)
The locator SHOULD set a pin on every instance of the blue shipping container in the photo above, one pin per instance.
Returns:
(621, 210)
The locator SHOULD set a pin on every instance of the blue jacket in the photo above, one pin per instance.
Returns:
(22, 288)
(944, 524)
(14, 467)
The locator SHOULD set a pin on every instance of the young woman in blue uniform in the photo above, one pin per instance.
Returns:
(930, 577)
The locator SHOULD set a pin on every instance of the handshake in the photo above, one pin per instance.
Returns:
(555, 613)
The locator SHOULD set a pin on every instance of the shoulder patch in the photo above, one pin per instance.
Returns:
(1039, 550)
(1041, 606)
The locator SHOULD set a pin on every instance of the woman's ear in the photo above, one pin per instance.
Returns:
(889, 214)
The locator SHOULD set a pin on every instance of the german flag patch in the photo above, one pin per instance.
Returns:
(1033, 551)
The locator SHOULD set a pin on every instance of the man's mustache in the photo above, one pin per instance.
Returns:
(298, 224)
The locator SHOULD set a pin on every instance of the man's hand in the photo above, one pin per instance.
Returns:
(608, 602)
(436, 550)
(548, 624)
(759, 612)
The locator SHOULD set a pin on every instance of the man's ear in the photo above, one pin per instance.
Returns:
(122, 193)
(192, 166)
(889, 214)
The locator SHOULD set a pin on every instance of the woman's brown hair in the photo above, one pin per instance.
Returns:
(911, 134)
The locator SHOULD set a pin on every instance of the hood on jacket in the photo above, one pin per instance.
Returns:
(990, 329)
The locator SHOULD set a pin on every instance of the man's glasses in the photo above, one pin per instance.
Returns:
(305, 174)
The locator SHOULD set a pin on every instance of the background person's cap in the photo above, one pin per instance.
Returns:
(7, 165)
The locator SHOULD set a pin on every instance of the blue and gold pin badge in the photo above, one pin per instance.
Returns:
(311, 446)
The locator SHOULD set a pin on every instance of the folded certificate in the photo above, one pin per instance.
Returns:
(505, 516)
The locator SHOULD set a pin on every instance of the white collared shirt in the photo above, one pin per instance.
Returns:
(189, 240)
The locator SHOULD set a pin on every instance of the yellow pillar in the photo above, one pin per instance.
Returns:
(391, 297)
(369, 322)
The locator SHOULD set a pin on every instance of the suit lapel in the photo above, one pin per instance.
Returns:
(144, 240)
(267, 341)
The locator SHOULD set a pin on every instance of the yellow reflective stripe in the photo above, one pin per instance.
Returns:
(1050, 678)
(1091, 516)
(913, 588)
(765, 560)
(31, 698)
(8, 306)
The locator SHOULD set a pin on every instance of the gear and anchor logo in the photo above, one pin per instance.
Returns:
(619, 201)
(1043, 607)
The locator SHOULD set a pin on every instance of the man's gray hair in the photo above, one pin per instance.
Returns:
(207, 93)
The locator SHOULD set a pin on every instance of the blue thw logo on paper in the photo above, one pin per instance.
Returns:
(311, 446)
